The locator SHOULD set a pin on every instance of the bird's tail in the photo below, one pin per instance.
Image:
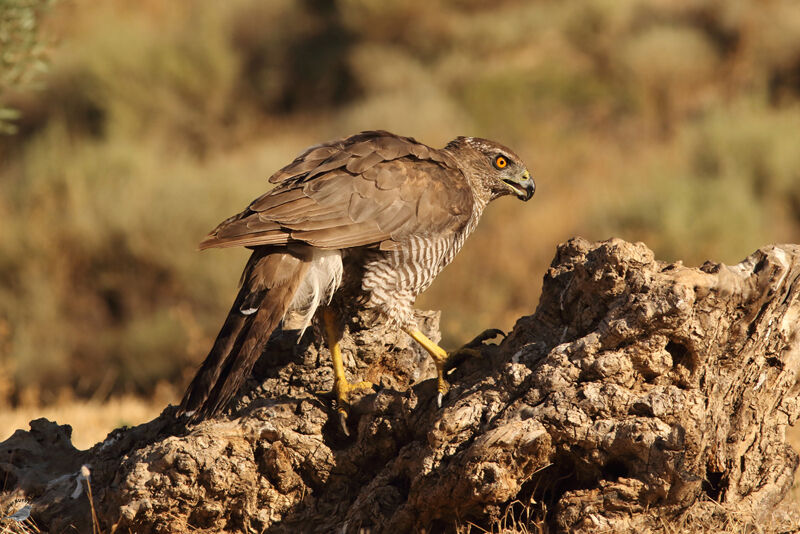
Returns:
(269, 283)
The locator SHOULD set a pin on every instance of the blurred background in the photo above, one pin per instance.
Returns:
(130, 129)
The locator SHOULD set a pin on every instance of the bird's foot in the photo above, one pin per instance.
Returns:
(456, 357)
(441, 384)
(489, 333)
(340, 393)
(446, 361)
(471, 349)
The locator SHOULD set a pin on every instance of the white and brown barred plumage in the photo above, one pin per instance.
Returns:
(369, 220)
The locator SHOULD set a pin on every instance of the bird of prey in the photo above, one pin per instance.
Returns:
(366, 221)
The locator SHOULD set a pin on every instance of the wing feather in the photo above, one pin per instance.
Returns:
(387, 176)
(372, 189)
(359, 165)
(336, 161)
(360, 208)
(354, 235)
(277, 198)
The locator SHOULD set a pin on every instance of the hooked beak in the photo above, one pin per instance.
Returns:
(522, 186)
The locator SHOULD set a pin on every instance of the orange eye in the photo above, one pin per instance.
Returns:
(500, 162)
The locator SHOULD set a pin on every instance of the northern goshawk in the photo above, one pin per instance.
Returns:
(367, 221)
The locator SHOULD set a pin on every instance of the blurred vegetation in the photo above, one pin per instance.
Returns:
(675, 123)
(22, 50)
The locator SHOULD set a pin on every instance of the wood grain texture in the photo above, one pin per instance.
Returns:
(639, 397)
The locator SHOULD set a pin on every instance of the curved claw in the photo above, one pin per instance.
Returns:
(446, 361)
(340, 393)
(472, 349)
(487, 334)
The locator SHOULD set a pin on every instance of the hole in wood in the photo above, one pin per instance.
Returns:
(614, 470)
(680, 354)
(713, 485)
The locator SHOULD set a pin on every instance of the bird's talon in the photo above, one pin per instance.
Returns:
(486, 335)
(340, 393)
(439, 397)
(458, 356)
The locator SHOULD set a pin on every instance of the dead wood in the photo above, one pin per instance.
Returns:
(640, 396)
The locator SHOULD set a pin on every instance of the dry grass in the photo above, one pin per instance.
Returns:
(518, 518)
(15, 515)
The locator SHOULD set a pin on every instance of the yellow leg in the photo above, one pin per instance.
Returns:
(440, 356)
(341, 387)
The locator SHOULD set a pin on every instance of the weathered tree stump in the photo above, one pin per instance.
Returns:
(640, 396)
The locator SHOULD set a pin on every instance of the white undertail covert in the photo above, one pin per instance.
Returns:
(323, 278)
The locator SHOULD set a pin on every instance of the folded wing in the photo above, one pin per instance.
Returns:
(376, 190)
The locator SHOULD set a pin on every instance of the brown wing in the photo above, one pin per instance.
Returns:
(356, 152)
(376, 189)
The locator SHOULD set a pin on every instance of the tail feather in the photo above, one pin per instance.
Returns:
(206, 377)
(269, 284)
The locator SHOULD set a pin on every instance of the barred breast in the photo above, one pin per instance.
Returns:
(394, 279)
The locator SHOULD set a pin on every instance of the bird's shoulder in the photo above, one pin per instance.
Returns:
(396, 182)
(356, 154)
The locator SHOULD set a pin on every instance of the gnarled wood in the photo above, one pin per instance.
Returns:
(640, 396)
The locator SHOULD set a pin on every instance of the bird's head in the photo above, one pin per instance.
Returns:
(492, 168)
